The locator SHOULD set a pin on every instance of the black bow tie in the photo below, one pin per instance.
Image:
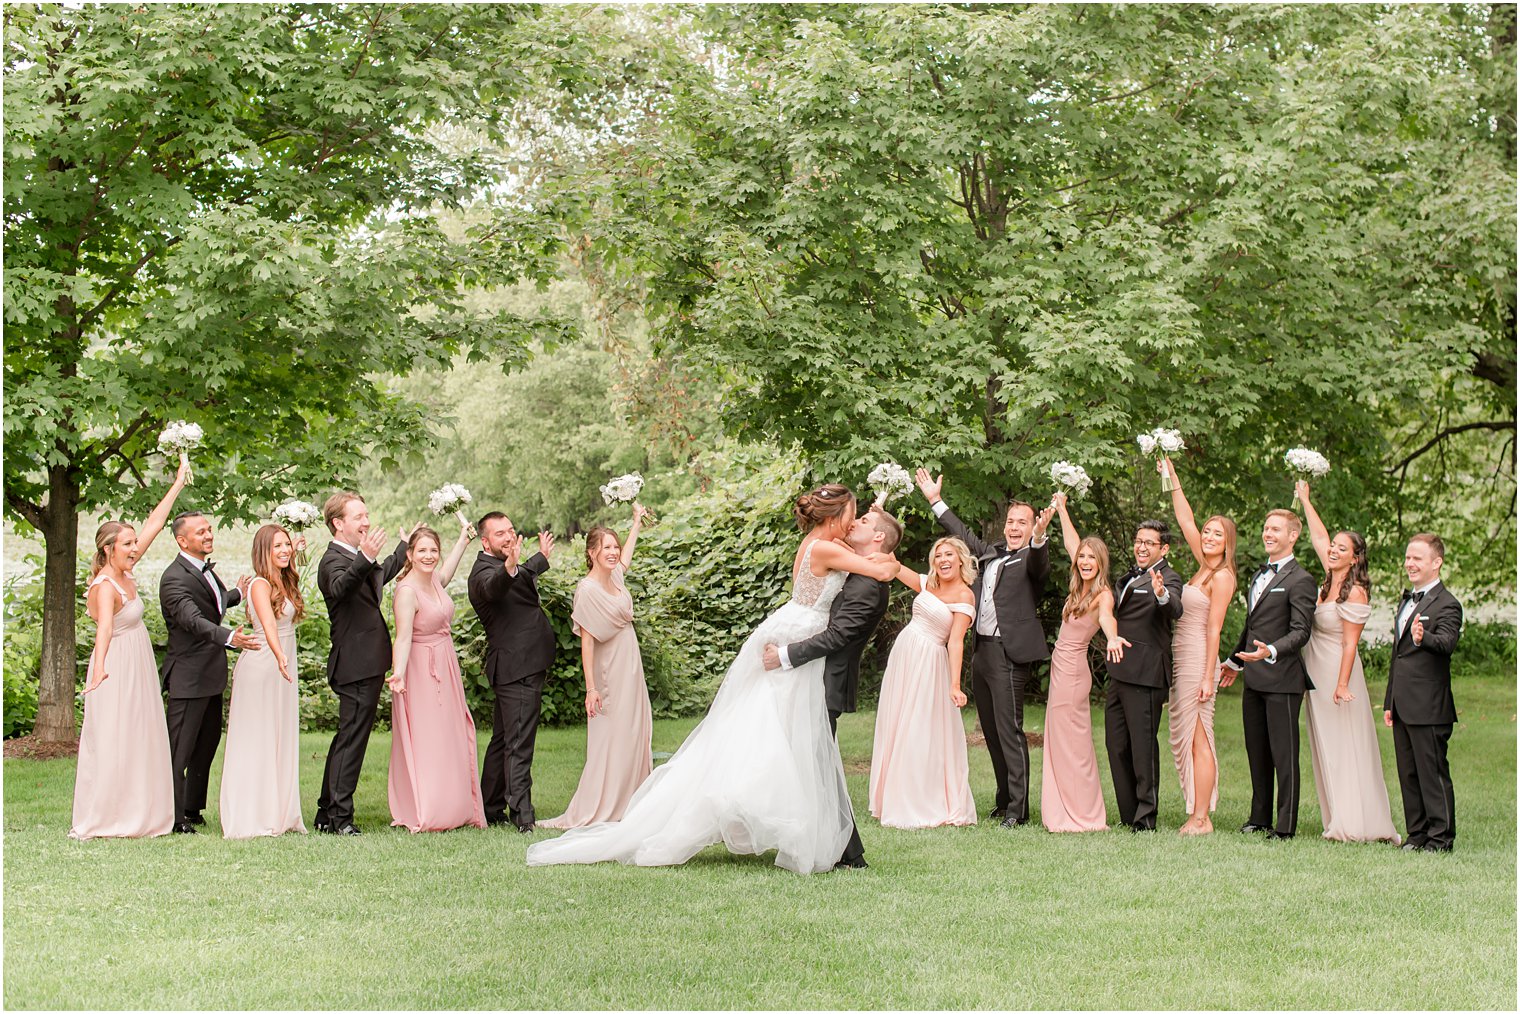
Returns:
(207, 567)
(1266, 567)
(1413, 596)
(1133, 573)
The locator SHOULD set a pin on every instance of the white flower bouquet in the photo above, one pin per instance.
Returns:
(450, 499)
(1306, 464)
(1161, 442)
(1072, 478)
(297, 515)
(889, 479)
(626, 489)
(180, 437)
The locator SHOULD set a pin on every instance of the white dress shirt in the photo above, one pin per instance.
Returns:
(1408, 609)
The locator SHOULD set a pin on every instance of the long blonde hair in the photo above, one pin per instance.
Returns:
(1227, 555)
(1082, 594)
(105, 540)
(968, 562)
(284, 582)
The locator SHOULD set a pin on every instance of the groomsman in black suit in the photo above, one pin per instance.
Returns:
(853, 618)
(352, 580)
(519, 651)
(1147, 602)
(1009, 638)
(194, 672)
(1279, 619)
(1418, 704)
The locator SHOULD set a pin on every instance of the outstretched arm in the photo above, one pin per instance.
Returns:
(836, 557)
(633, 534)
(160, 515)
(1184, 511)
(451, 565)
(1318, 533)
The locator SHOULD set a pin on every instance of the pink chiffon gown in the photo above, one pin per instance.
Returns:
(1071, 795)
(919, 771)
(261, 788)
(1188, 717)
(1343, 741)
(618, 755)
(123, 786)
(432, 783)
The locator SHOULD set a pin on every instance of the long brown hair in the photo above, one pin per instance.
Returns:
(1082, 594)
(284, 582)
(421, 531)
(105, 540)
(1226, 558)
(1357, 574)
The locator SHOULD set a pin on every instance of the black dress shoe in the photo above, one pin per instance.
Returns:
(347, 831)
(524, 828)
(998, 813)
(184, 827)
(1249, 828)
(1138, 828)
(851, 864)
(197, 820)
(1431, 846)
(1012, 822)
(497, 821)
(1412, 846)
(1278, 836)
(321, 824)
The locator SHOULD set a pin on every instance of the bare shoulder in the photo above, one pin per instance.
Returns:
(1358, 595)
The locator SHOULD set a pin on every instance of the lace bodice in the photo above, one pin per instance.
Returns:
(815, 592)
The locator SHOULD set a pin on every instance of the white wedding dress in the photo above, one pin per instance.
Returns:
(759, 772)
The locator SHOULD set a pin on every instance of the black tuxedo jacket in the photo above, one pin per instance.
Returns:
(1016, 593)
(519, 639)
(195, 664)
(853, 617)
(352, 587)
(1283, 618)
(1419, 675)
(1147, 625)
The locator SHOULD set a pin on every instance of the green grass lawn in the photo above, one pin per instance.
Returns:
(946, 918)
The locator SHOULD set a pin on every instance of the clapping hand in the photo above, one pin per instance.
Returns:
(1115, 652)
(546, 543)
(372, 542)
(928, 485)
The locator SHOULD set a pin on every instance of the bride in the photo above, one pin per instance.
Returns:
(761, 770)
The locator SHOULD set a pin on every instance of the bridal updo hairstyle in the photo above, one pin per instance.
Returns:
(830, 500)
(105, 541)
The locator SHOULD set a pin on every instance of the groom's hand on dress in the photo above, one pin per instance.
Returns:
(928, 485)
(772, 657)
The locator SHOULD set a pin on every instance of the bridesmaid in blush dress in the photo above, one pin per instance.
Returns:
(123, 785)
(619, 721)
(432, 785)
(919, 772)
(1195, 656)
(1343, 742)
(1071, 793)
(261, 789)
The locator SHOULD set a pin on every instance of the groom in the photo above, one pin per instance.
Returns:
(853, 618)
(1009, 638)
(352, 580)
(519, 651)
(194, 673)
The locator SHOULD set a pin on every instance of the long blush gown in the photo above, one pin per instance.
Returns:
(760, 772)
(261, 787)
(1189, 717)
(1071, 795)
(919, 771)
(432, 785)
(617, 740)
(123, 786)
(1343, 743)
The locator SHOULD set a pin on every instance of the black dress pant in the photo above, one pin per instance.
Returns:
(1430, 814)
(345, 757)
(1271, 733)
(1131, 719)
(997, 686)
(854, 849)
(195, 729)
(506, 779)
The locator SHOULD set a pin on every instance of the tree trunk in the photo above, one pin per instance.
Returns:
(60, 536)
